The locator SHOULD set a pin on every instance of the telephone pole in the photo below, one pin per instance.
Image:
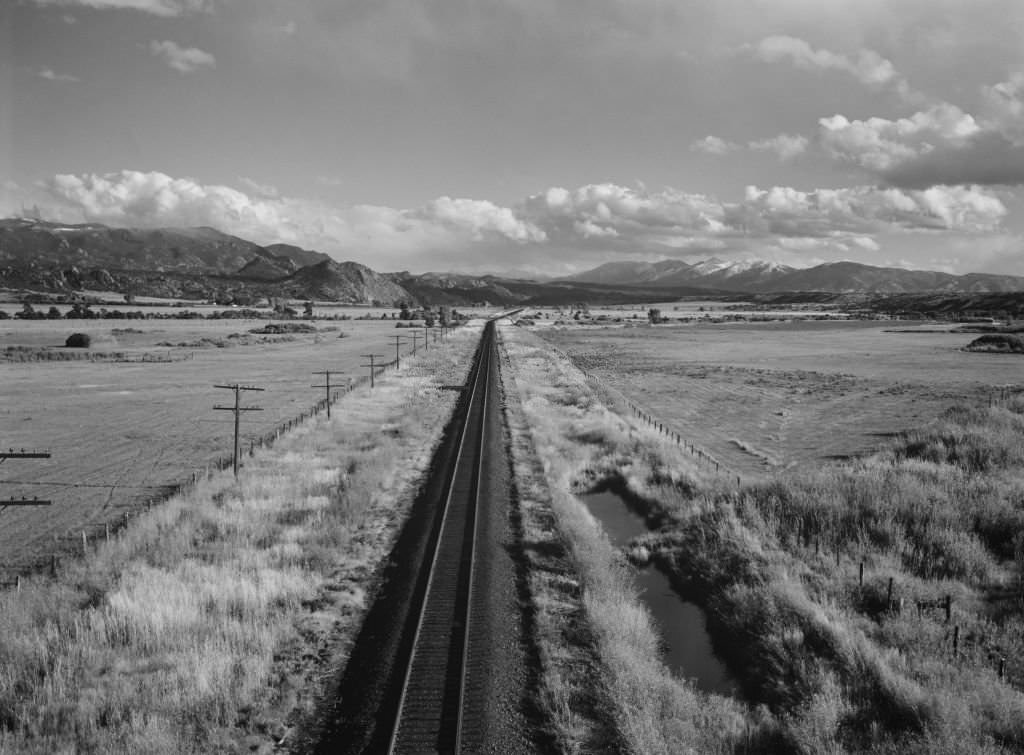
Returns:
(23, 454)
(371, 365)
(328, 386)
(399, 340)
(238, 409)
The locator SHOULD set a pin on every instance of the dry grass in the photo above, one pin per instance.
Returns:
(120, 433)
(776, 566)
(207, 625)
(787, 394)
(574, 434)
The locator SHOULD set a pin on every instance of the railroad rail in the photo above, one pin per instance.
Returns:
(412, 680)
(429, 715)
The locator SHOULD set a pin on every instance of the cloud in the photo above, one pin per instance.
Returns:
(866, 66)
(479, 218)
(265, 191)
(50, 75)
(940, 145)
(1004, 108)
(784, 146)
(183, 59)
(137, 199)
(555, 226)
(713, 145)
(166, 8)
(865, 209)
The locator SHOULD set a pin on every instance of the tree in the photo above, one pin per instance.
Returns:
(78, 341)
(307, 310)
(53, 314)
(654, 315)
(404, 313)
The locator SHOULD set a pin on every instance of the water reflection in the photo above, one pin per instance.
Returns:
(683, 627)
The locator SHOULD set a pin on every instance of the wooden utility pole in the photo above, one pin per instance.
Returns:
(371, 365)
(23, 454)
(399, 340)
(238, 409)
(328, 386)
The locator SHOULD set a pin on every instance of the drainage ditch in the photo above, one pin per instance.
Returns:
(682, 625)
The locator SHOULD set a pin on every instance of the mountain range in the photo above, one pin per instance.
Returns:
(205, 263)
(753, 276)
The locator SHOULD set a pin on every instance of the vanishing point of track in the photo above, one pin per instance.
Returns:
(429, 715)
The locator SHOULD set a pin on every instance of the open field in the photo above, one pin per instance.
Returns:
(865, 606)
(217, 621)
(120, 432)
(765, 396)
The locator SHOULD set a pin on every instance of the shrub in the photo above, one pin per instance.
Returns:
(78, 341)
(998, 342)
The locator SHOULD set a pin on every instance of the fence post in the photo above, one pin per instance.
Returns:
(861, 574)
(888, 595)
(949, 607)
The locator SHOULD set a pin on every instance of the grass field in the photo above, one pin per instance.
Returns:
(120, 432)
(782, 394)
(216, 621)
(825, 584)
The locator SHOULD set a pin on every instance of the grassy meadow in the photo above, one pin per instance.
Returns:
(213, 622)
(828, 660)
(785, 394)
(120, 432)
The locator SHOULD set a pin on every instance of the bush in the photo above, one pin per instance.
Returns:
(78, 341)
(997, 342)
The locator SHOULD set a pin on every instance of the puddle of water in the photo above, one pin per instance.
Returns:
(683, 627)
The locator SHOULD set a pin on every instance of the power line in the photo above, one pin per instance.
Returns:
(371, 365)
(23, 454)
(238, 409)
(399, 339)
(327, 385)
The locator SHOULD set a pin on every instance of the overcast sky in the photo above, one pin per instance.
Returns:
(534, 135)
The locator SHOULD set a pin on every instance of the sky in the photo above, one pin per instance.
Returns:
(529, 136)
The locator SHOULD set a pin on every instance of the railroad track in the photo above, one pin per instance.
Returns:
(430, 713)
(417, 674)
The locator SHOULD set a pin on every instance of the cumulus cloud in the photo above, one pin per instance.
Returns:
(1004, 108)
(183, 59)
(784, 146)
(940, 145)
(551, 226)
(479, 218)
(166, 8)
(866, 66)
(153, 199)
(866, 209)
(714, 145)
